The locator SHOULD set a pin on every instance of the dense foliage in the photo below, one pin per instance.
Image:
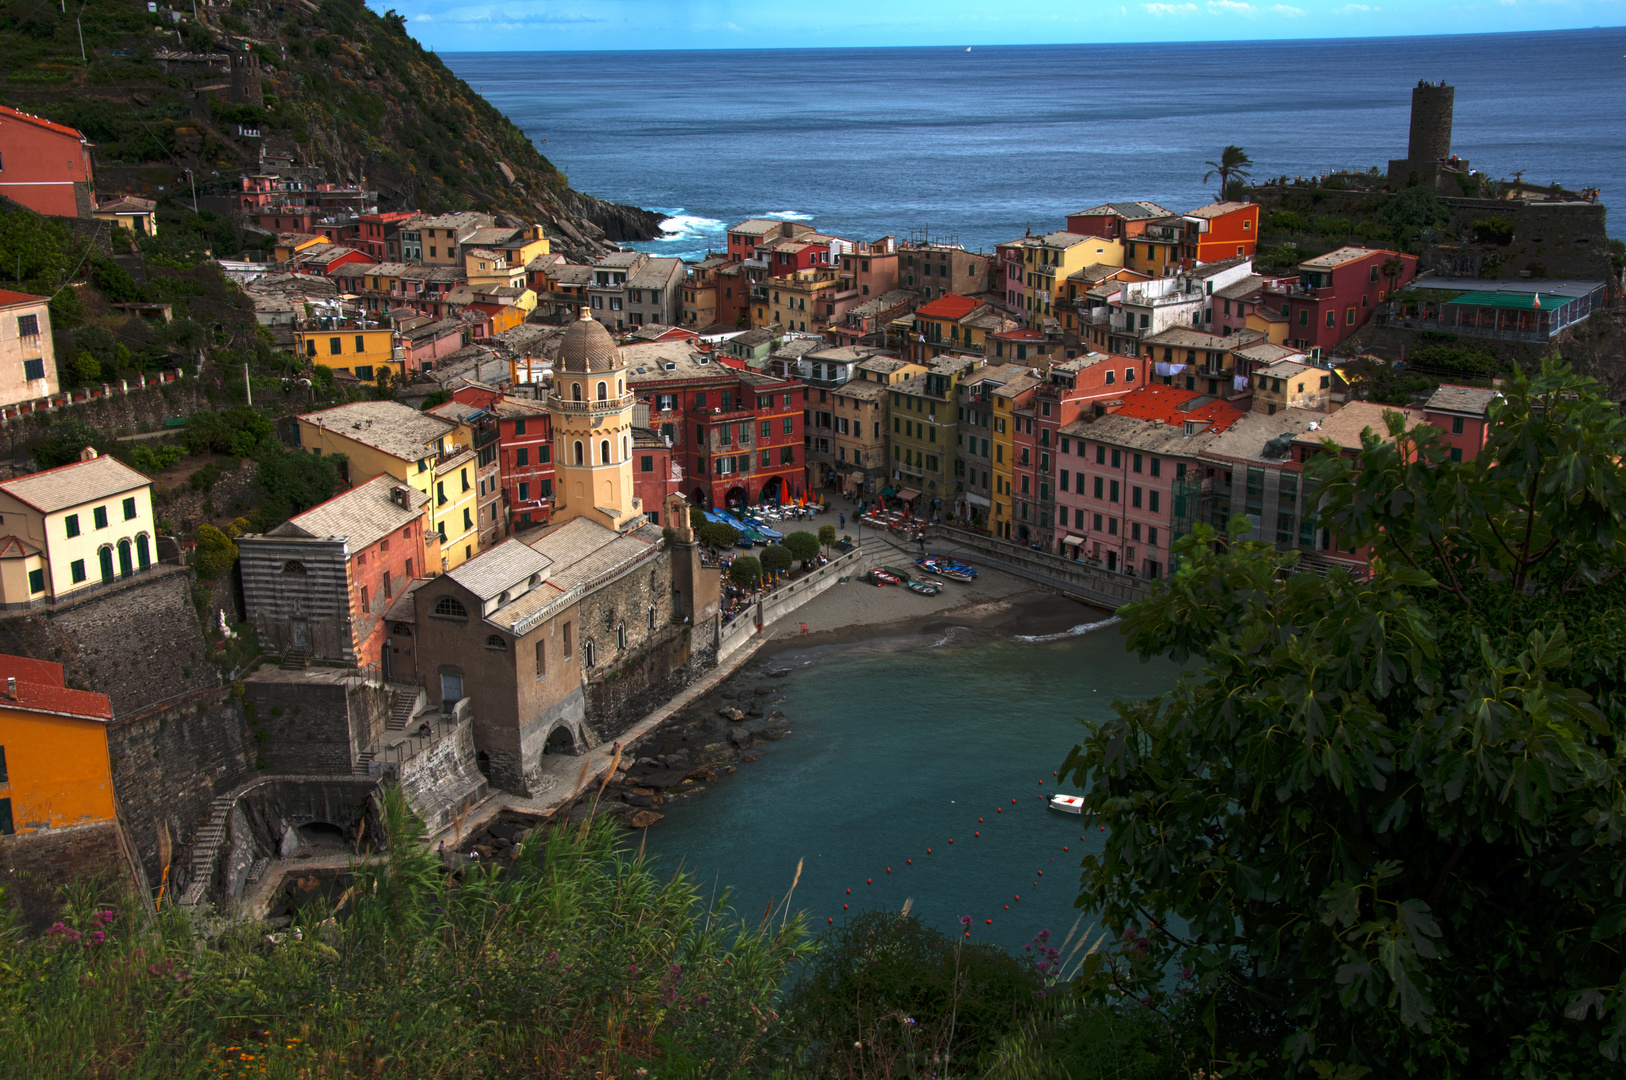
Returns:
(573, 960)
(1380, 827)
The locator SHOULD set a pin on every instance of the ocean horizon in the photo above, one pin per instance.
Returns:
(977, 147)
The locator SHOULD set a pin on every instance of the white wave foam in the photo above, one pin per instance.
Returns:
(1075, 631)
(685, 227)
(948, 636)
(787, 215)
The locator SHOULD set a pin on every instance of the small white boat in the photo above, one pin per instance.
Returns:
(1067, 804)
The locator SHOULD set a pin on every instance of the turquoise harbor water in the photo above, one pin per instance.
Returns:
(899, 746)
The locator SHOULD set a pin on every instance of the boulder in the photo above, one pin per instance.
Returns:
(705, 773)
(779, 673)
(643, 819)
(740, 737)
(774, 732)
(748, 758)
(763, 691)
(728, 712)
(640, 800)
(776, 715)
(665, 779)
(754, 710)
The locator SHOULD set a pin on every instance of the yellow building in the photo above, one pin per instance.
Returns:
(27, 357)
(796, 301)
(288, 245)
(1161, 250)
(591, 411)
(54, 768)
(954, 324)
(138, 215)
(1049, 260)
(379, 437)
(72, 527)
(349, 345)
(1005, 397)
(491, 268)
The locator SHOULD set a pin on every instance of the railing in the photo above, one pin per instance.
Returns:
(1466, 329)
(613, 404)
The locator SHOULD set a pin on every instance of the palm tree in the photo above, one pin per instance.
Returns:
(1234, 161)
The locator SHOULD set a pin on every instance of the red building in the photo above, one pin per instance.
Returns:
(1225, 230)
(1462, 413)
(1116, 221)
(737, 436)
(1337, 292)
(379, 235)
(654, 474)
(524, 453)
(44, 166)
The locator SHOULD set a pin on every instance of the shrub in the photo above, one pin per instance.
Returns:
(1492, 230)
(216, 552)
(802, 545)
(716, 534)
(775, 558)
(827, 535)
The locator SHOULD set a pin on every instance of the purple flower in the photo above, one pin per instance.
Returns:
(1044, 935)
(1042, 966)
(632, 971)
(1027, 948)
(965, 921)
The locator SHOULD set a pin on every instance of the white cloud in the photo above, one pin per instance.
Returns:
(1287, 10)
(1231, 7)
(1170, 9)
(1354, 9)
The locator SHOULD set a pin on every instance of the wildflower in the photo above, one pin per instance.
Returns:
(1044, 936)
(1042, 966)
(965, 921)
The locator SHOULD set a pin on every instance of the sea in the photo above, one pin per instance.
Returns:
(919, 769)
(975, 145)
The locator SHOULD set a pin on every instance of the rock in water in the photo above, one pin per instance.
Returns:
(728, 712)
(643, 819)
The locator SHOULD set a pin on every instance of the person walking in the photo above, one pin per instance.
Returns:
(843, 521)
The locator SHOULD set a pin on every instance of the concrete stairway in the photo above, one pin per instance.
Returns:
(404, 705)
(204, 850)
(295, 659)
(363, 763)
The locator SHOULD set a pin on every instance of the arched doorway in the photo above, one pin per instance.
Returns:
(105, 557)
(736, 497)
(773, 491)
(126, 566)
(1022, 533)
(701, 498)
(560, 741)
(143, 553)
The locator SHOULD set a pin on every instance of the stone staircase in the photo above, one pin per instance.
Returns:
(295, 659)
(404, 705)
(362, 766)
(204, 850)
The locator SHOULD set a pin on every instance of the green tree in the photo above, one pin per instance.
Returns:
(64, 442)
(1380, 826)
(745, 572)
(1233, 161)
(697, 518)
(216, 552)
(775, 559)
(718, 535)
(801, 545)
(827, 535)
(87, 367)
(291, 483)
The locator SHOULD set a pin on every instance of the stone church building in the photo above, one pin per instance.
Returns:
(559, 643)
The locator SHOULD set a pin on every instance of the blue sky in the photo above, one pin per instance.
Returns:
(548, 25)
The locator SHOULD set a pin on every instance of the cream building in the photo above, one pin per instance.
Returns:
(70, 528)
(592, 429)
(27, 362)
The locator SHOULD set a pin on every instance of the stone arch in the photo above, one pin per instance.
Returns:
(561, 740)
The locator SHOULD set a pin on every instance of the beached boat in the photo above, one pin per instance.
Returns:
(955, 575)
(924, 589)
(1067, 804)
(901, 575)
(883, 578)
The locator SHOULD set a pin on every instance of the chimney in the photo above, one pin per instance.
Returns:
(11, 687)
(88, 454)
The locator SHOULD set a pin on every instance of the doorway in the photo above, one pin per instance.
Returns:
(451, 692)
(302, 633)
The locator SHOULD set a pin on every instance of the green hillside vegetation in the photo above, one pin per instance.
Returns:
(345, 88)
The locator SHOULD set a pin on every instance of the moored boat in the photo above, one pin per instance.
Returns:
(924, 589)
(1067, 804)
(883, 578)
(955, 575)
(901, 575)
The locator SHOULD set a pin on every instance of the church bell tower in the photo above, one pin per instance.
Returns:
(591, 411)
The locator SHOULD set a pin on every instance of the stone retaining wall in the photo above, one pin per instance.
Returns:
(1107, 588)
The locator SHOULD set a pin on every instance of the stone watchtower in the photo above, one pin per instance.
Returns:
(1428, 159)
(246, 88)
(591, 411)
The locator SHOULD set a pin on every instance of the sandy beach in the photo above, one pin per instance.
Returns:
(996, 602)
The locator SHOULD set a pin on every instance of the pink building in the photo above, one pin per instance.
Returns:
(1337, 293)
(1462, 413)
(1128, 482)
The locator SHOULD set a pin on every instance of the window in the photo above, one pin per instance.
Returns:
(334, 346)
(36, 584)
(129, 509)
(1155, 494)
(1456, 453)
(1134, 499)
(1151, 538)
(1111, 377)
(1157, 467)
(1456, 425)
(468, 523)
(1100, 486)
(99, 516)
(1112, 492)
(522, 457)
(71, 524)
(1349, 317)
(34, 369)
(365, 606)
(587, 652)
(541, 660)
(389, 591)
(621, 636)
(449, 607)
(787, 455)
(1134, 463)
(1100, 454)
(1332, 317)
(524, 491)
(28, 326)
(790, 425)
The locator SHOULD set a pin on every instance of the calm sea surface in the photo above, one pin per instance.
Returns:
(898, 747)
(978, 145)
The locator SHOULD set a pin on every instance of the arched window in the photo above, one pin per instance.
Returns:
(293, 566)
(652, 616)
(626, 448)
(579, 460)
(401, 629)
(604, 452)
(496, 643)
(621, 636)
(448, 607)
(587, 652)
(620, 388)
(143, 552)
(603, 392)
(575, 391)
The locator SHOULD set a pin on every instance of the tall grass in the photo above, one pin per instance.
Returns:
(573, 960)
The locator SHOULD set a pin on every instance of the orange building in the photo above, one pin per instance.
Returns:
(45, 166)
(1225, 230)
(54, 770)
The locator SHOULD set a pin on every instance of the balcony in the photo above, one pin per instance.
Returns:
(590, 408)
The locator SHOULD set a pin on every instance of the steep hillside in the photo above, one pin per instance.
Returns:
(343, 88)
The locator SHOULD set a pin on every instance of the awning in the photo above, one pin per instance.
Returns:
(908, 494)
(978, 500)
(857, 477)
(889, 491)
(1073, 541)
